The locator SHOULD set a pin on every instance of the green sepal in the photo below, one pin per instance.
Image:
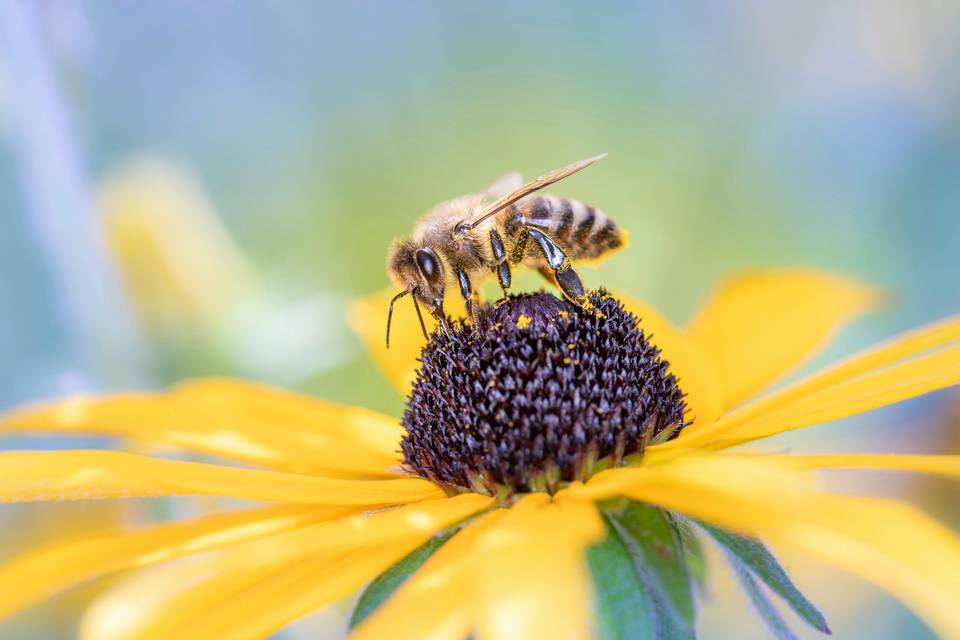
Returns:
(652, 537)
(627, 605)
(774, 621)
(755, 556)
(387, 582)
(667, 625)
(621, 607)
(692, 551)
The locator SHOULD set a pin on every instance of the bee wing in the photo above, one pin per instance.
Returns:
(479, 201)
(502, 186)
(524, 190)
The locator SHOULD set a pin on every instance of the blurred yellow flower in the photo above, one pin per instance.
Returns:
(502, 564)
(179, 263)
(195, 289)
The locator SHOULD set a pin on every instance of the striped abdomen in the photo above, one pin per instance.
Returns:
(583, 232)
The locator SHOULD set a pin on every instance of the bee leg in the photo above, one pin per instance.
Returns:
(466, 290)
(559, 264)
(441, 317)
(505, 278)
(503, 264)
(547, 274)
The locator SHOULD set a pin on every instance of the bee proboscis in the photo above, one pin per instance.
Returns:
(475, 237)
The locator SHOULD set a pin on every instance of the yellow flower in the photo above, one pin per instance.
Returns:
(195, 290)
(181, 266)
(512, 559)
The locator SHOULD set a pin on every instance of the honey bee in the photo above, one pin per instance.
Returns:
(475, 237)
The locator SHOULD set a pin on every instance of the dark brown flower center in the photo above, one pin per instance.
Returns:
(538, 394)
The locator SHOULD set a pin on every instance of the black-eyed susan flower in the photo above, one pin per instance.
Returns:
(549, 478)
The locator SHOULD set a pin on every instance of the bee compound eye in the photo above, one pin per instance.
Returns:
(427, 263)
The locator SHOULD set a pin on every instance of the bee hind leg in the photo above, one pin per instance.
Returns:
(547, 274)
(558, 266)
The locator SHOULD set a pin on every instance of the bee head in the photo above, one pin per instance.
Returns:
(430, 271)
(420, 271)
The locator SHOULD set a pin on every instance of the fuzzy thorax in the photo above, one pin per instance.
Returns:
(538, 394)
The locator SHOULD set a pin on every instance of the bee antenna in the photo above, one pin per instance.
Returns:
(390, 312)
(416, 305)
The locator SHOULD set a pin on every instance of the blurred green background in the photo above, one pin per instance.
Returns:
(741, 134)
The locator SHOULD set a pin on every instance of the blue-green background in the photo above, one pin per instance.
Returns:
(740, 134)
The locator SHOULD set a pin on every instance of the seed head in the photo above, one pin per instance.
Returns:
(537, 394)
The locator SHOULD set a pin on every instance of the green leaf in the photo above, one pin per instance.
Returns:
(622, 612)
(387, 582)
(652, 538)
(755, 555)
(775, 622)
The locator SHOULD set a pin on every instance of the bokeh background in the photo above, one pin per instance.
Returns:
(201, 188)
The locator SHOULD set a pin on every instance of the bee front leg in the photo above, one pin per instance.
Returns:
(558, 262)
(466, 290)
(441, 317)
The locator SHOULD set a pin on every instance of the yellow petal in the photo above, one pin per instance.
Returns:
(517, 573)
(926, 373)
(343, 556)
(899, 348)
(759, 326)
(291, 592)
(439, 592)
(129, 606)
(531, 573)
(231, 419)
(890, 544)
(368, 318)
(903, 367)
(32, 476)
(169, 600)
(271, 582)
(940, 465)
(316, 434)
(39, 574)
(688, 364)
(734, 474)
